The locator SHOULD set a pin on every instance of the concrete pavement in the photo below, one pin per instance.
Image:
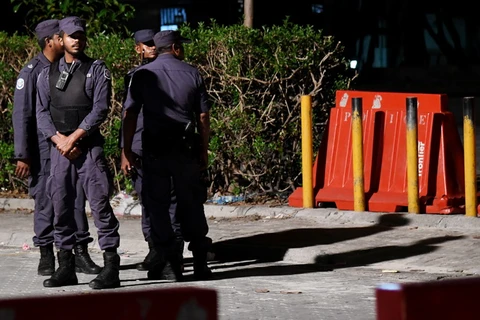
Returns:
(297, 235)
(277, 262)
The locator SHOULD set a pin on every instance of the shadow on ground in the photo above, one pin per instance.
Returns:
(253, 251)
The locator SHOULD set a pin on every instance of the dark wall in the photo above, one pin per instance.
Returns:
(146, 17)
(270, 12)
(9, 21)
(266, 12)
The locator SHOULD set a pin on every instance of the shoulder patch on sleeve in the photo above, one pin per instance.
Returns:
(106, 74)
(102, 65)
(20, 84)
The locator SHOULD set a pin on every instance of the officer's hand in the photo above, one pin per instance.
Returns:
(59, 140)
(74, 153)
(65, 145)
(128, 161)
(23, 168)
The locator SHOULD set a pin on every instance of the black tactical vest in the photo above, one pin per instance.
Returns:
(70, 106)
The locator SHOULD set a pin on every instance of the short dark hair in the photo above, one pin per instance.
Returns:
(164, 49)
(43, 42)
(168, 48)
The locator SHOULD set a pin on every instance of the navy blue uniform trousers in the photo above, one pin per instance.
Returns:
(90, 172)
(43, 208)
(146, 228)
(181, 170)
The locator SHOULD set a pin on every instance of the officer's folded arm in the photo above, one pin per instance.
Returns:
(77, 135)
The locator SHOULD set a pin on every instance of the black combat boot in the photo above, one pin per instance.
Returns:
(146, 263)
(46, 265)
(83, 262)
(65, 274)
(201, 271)
(109, 276)
(199, 248)
(179, 247)
(167, 265)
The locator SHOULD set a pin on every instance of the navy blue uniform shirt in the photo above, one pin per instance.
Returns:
(169, 90)
(137, 138)
(28, 141)
(97, 86)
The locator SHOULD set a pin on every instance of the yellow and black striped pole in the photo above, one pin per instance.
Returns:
(357, 155)
(469, 157)
(412, 156)
(307, 151)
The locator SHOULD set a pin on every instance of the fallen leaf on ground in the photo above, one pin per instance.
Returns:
(262, 290)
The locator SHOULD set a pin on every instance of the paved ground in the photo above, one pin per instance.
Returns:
(281, 263)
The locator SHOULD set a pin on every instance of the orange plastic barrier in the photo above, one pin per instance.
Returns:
(439, 300)
(167, 304)
(440, 155)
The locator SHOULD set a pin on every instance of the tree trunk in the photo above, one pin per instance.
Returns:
(248, 13)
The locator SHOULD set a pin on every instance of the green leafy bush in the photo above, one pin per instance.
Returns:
(102, 16)
(255, 78)
(14, 53)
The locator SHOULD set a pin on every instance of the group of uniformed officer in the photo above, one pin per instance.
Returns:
(61, 98)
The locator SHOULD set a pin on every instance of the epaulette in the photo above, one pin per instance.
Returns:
(99, 62)
(30, 66)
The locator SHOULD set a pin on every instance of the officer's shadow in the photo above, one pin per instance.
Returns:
(254, 255)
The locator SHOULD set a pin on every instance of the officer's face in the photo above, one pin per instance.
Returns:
(74, 43)
(147, 48)
(57, 45)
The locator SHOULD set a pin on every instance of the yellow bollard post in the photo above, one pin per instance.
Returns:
(357, 155)
(307, 151)
(412, 156)
(469, 157)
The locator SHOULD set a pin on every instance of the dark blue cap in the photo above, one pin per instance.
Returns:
(168, 37)
(144, 35)
(46, 28)
(73, 24)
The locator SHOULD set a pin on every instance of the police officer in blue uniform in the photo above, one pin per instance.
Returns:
(145, 47)
(175, 141)
(32, 153)
(73, 100)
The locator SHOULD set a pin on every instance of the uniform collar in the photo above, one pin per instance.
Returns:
(167, 56)
(43, 58)
(77, 62)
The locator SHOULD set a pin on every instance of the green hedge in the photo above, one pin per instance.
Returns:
(255, 78)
